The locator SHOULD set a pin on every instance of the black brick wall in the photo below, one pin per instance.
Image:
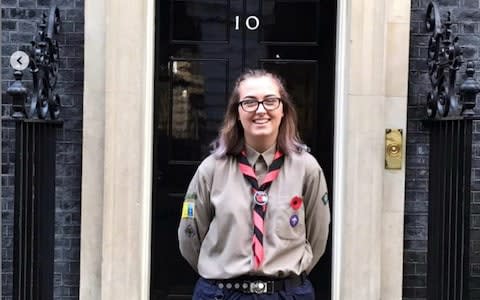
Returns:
(466, 19)
(19, 19)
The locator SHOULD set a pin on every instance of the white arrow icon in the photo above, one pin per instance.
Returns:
(19, 60)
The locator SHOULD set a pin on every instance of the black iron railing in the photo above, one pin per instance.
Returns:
(449, 209)
(36, 119)
(34, 209)
(449, 116)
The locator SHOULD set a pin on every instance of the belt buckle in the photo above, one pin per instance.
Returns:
(258, 287)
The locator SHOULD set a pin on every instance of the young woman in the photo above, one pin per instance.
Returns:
(255, 218)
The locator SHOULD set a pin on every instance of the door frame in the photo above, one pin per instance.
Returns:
(118, 93)
(339, 138)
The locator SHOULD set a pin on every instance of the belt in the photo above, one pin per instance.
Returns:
(260, 285)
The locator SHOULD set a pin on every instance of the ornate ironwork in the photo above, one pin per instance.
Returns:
(444, 60)
(36, 115)
(44, 59)
(451, 118)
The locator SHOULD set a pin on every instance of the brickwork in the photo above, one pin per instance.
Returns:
(19, 19)
(475, 209)
(466, 19)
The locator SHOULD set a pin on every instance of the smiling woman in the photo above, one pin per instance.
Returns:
(260, 124)
(255, 218)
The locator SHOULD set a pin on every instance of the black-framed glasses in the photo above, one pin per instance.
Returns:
(251, 105)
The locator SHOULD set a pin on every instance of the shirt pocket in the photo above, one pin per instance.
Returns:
(290, 223)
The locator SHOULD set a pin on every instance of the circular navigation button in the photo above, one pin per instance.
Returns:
(19, 60)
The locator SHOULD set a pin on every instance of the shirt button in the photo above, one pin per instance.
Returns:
(229, 285)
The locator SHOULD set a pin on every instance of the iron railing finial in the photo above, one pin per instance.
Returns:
(469, 90)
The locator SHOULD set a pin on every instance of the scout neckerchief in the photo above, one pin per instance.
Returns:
(260, 199)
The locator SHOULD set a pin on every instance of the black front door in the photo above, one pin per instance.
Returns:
(201, 47)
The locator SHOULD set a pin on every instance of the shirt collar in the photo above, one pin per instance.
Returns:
(268, 155)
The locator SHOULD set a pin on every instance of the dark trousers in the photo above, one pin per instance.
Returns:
(207, 290)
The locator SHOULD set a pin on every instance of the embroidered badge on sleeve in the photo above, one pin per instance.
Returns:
(325, 198)
(189, 231)
(188, 210)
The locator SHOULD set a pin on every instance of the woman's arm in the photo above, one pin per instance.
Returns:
(196, 215)
(317, 213)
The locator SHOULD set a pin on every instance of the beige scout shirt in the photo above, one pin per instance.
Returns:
(215, 232)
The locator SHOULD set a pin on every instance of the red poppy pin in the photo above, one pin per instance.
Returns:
(296, 203)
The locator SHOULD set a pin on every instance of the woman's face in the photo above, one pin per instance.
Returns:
(260, 127)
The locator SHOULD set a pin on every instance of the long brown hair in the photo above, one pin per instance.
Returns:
(230, 140)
